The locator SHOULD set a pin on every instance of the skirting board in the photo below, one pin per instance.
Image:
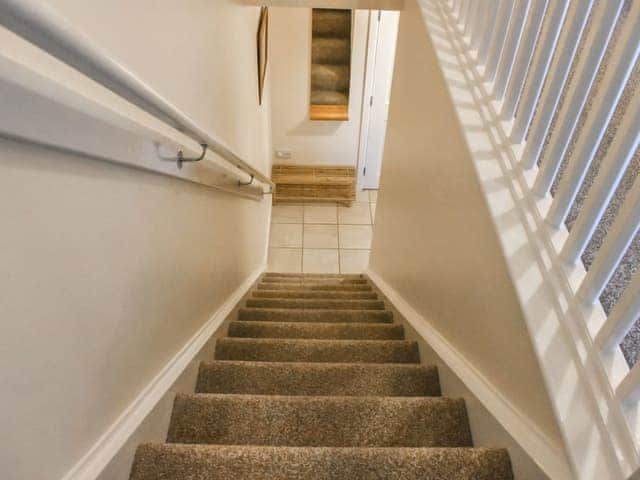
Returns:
(545, 452)
(109, 444)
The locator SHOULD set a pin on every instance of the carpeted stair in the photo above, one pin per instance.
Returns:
(315, 381)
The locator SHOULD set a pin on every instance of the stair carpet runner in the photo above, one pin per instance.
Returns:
(315, 381)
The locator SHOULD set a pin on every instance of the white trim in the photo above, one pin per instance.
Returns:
(549, 455)
(110, 443)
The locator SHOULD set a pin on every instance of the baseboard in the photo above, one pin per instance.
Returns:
(109, 444)
(545, 452)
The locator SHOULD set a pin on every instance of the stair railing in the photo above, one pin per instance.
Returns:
(554, 82)
(41, 25)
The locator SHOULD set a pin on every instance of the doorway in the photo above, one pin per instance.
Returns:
(381, 48)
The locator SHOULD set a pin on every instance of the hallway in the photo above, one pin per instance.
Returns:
(316, 238)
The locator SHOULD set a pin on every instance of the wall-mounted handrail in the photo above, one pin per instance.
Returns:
(40, 24)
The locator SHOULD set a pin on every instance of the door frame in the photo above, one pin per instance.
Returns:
(369, 78)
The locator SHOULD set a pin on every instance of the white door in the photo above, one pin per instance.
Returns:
(383, 31)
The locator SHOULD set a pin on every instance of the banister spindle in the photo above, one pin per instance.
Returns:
(498, 39)
(464, 12)
(614, 165)
(489, 29)
(479, 24)
(560, 67)
(523, 60)
(622, 317)
(629, 389)
(599, 36)
(615, 245)
(512, 43)
(623, 60)
(472, 19)
(538, 72)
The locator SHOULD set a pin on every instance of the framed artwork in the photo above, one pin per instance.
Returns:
(263, 40)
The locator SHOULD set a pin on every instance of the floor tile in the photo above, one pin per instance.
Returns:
(362, 195)
(372, 206)
(285, 260)
(357, 214)
(285, 235)
(355, 236)
(373, 196)
(320, 261)
(353, 261)
(286, 214)
(320, 214)
(320, 236)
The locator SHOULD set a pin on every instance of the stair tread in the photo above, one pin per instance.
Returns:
(309, 378)
(239, 462)
(315, 287)
(316, 303)
(317, 294)
(318, 330)
(312, 350)
(319, 420)
(320, 315)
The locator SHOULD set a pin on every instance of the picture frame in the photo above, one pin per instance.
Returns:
(262, 38)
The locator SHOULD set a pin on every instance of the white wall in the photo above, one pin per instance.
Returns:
(107, 271)
(311, 142)
(434, 241)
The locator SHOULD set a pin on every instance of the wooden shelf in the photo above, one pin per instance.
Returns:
(329, 112)
(309, 183)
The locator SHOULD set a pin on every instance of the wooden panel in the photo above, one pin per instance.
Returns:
(329, 112)
(311, 183)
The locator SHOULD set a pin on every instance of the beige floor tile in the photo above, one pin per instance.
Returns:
(285, 260)
(286, 214)
(373, 212)
(355, 236)
(320, 261)
(320, 214)
(373, 196)
(362, 195)
(357, 214)
(320, 236)
(285, 235)
(353, 261)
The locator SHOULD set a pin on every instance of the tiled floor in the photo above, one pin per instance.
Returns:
(322, 238)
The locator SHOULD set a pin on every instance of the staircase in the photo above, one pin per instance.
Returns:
(315, 381)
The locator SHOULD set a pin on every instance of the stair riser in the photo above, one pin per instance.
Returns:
(317, 379)
(331, 23)
(330, 77)
(319, 421)
(200, 462)
(345, 351)
(356, 331)
(314, 288)
(324, 316)
(315, 303)
(314, 275)
(314, 295)
(315, 281)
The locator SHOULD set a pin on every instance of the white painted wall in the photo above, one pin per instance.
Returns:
(434, 241)
(311, 142)
(107, 271)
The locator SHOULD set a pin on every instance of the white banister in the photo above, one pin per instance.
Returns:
(524, 58)
(489, 29)
(512, 43)
(498, 39)
(557, 77)
(622, 317)
(471, 18)
(629, 389)
(616, 243)
(577, 95)
(538, 72)
(611, 172)
(623, 59)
